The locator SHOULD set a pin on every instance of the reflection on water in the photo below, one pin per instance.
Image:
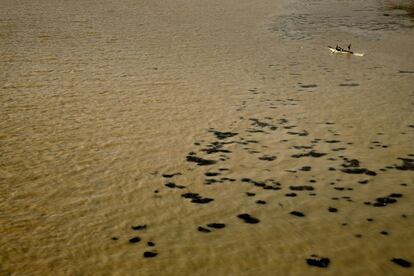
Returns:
(367, 19)
(405, 9)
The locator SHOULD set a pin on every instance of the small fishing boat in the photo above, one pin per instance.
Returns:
(339, 50)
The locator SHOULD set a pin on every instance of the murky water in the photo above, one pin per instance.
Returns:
(368, 20)
(207, 137)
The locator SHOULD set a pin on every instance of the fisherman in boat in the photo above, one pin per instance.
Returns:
(340, 49)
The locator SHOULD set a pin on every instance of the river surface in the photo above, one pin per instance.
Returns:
(211, 137)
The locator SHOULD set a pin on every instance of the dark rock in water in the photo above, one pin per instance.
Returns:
(223, 135)
(408, 164)
(303, 133)
(204, 230)
(210, 181)
(384, 201)
(297, 213)
(316, 154)
(139, 227)
(190, 195)
(354, 171)
(114, 238)
(372, 173)
(301, 188)
(384, 232)
(215, 147)
(258, 184)
(291, 194)
(203, 200)
(351, 163)
(332, 210)
(359, 171)
(264, 186)
(255, 131)
(134, 240)
(302, 147)
(338, 149)
(196, 198)
(258, 123)
(283, 121)
(267, 157)
(261, 202)
(395, 195)
(150, 244)
(309, 85)
(267, 187)
(170, 175)
(319, 262)
(363, 181)
(173, 185)
(148, 254)
(401, 262)
(216, 225)
(349, 84)
(250, 194)
(309, 154)
(248, 218)
(306, 168)
(200, 161)
(211, 173)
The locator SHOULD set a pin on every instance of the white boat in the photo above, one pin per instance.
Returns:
(343, 51)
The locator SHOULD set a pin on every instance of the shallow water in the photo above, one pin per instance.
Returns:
(104, 108)
(368, 20)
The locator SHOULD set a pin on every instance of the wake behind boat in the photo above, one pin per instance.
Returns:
(339, 50)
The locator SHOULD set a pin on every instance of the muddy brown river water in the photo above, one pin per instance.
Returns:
(210, 137)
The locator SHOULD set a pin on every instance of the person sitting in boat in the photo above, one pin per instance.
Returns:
(338, 48)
